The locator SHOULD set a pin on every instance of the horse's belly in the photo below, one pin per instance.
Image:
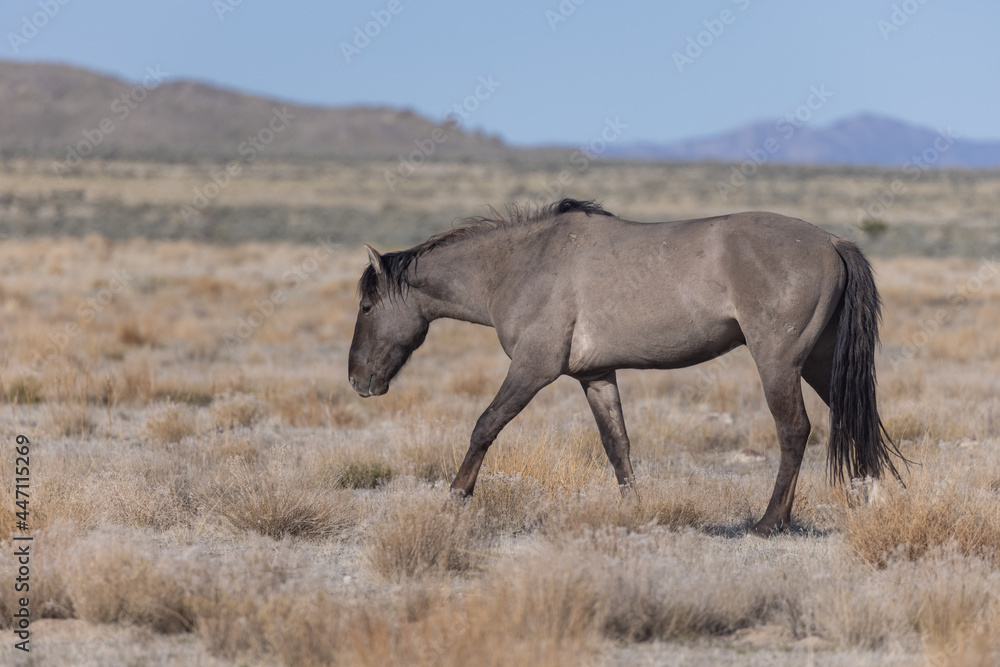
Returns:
(603, 348)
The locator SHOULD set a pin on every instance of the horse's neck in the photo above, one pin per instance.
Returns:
(455, 283)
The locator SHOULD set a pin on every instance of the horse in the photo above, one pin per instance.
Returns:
(573, 289)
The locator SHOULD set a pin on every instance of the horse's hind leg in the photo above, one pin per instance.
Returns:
(602, 394)
(783, 362)
(783, 390)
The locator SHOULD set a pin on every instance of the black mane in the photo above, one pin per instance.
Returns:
(571, 205)
(396, 264)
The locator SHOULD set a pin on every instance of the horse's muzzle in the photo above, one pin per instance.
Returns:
(363, 391)
(366, 389)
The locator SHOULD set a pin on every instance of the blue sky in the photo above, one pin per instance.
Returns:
(553, 80)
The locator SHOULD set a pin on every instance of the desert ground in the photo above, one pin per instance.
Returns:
(206, 488)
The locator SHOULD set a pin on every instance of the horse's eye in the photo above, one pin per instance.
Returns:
(365, 310)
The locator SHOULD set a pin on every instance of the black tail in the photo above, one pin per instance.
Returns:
(859, 444)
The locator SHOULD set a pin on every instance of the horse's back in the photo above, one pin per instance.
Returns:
(664, 295)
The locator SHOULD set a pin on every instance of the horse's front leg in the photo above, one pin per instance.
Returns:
(523, 381)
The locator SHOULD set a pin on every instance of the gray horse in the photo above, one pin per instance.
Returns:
(574, 290)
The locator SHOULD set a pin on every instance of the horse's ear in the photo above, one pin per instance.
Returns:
(374, 258)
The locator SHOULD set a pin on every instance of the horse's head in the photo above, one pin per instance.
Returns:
(390, 324)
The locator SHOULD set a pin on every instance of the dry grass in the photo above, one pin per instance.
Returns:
(552, 460)
(237, 409)
(644, 507)
(169, 424)
(931, 514)
(128, 333)
(23, 389)
(509, 503)
(102, 578)
(274, 503)
(132, 499)
(425, 535)
(950, 210)
(70, 419)
(243, 499)
(955, 618)
(117, 583)
(364, 474)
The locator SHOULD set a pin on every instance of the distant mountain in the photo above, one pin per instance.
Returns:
(50, 110)
(46, 107)
(860, 140)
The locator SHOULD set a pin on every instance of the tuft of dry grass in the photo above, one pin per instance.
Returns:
(270, 501)
(237, 409)
(236, 444)
(23, 389)
(364, 474)
(474, 383)
(169, 424)
(427, 534)
(128, 333)
(102, 578)
(914, 427)
(133, 500)
(954, 617)
(557, 462)
(508, 503)
(70, 419)
(135, 381)
(119, 583)
(431, 455)
(925, 517)
(312, 404)
(429, 462)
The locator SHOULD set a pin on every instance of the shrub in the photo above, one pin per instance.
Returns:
(364, 474)
(276, 504)
(425, 535)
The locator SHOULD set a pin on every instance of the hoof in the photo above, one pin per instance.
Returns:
(459, 496)
(629, 489)
(765, 530)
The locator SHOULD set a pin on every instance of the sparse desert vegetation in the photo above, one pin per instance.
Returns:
(941, 213)
(207, 488)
